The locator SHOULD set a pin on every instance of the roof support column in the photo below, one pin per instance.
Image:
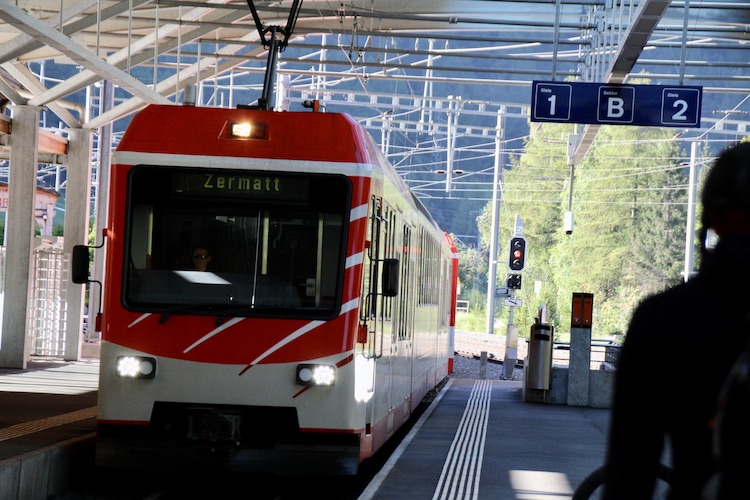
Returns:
(15, 344)
(77, 213)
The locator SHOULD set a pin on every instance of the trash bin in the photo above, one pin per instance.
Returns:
(539, 367)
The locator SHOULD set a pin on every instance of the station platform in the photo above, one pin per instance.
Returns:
(480, 440)
(47, 425)
(477, 440)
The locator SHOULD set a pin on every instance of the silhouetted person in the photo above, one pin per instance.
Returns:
(679, 348)
(732, 434)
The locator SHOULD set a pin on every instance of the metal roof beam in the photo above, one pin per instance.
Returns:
(120, 58)
(198, 71)
(508, 38)
(8, 91)
(25, 43)
(389, 66)
(629, 49)
(24, 22)
(502, 19)
(26, 78)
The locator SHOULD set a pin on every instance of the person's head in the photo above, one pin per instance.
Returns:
(201, 258)
(726, 193)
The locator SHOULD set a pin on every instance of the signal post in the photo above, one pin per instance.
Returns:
(516, 263)
(579, 378)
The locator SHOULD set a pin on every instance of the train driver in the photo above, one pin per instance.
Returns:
(201, 258)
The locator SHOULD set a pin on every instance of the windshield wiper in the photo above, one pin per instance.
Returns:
(166, 313)
(232, 311)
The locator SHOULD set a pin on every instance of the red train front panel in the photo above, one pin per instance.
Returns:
(233, 330)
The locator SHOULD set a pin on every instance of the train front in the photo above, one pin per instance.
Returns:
(232, 293)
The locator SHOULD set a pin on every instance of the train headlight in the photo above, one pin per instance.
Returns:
(316, 375)
(135, 367)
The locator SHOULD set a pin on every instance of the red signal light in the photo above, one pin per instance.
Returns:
(517, 253)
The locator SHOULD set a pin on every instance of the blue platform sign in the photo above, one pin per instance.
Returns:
(609, 104)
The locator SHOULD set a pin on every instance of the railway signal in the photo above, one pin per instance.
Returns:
(514, 281)
(517, 253)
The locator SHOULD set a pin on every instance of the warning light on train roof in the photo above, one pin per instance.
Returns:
(248, 130)
(241, 130)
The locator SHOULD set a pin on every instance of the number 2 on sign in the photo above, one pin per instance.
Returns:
(683, 105)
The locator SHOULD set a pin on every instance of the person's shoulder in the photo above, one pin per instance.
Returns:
(675, 306)
(695, 289)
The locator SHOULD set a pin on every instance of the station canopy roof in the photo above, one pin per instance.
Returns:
(445, 68)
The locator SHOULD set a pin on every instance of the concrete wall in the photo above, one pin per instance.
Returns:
(600, 388)
(46, 472)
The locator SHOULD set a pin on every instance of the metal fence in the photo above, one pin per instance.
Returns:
(604, 354)
(48, 310)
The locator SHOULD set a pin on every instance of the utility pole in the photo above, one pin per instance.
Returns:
(497, 179)
(690, 230)
(516, 263)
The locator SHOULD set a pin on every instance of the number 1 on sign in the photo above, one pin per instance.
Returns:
(552, 104)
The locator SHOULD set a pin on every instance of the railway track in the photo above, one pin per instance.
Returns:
(472, 344)
(120, 485)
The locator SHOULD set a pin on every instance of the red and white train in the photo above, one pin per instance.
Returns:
(325, 314)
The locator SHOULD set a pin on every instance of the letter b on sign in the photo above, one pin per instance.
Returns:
(616, 104)
(615, 107)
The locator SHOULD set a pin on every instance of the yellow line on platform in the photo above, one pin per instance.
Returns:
(25, 428)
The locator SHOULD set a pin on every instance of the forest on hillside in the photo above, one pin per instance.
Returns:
(630, 202)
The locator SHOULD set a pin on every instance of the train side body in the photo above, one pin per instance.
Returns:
(293, 353)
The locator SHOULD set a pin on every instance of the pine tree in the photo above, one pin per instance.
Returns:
(629, 201)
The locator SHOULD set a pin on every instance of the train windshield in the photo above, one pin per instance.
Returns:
(235, 242)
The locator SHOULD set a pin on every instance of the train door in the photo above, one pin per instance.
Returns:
(376, 313)
(403, 324)
(391, 250)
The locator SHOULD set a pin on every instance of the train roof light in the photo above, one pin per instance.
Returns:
(248, 130)
(241, 130)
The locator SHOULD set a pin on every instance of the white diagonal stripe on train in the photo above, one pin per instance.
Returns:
(213, 332)
(349, 306)
(359, 212)
(352, 304)
(139, 319)
(462, 469)
(354, 260)
(344, 309)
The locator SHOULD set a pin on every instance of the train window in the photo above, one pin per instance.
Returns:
(271, 244)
